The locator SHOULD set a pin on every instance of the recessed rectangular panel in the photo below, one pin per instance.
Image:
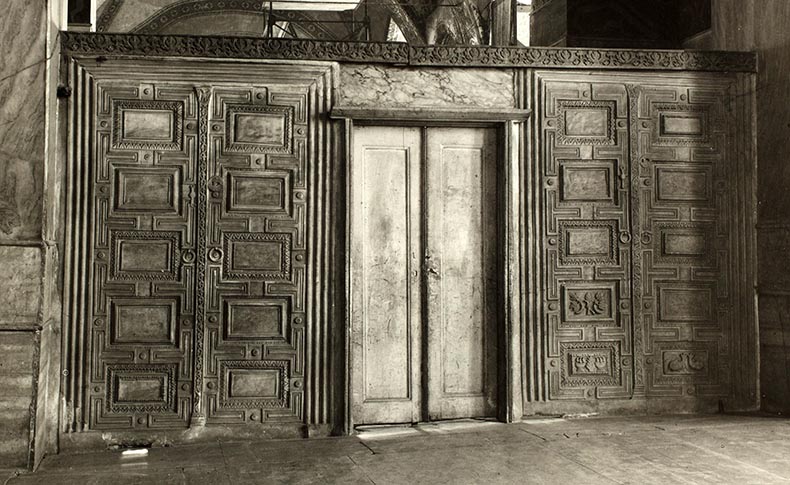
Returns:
(140, 389)
(682, 362)
(673, 124)
(143, 388)
(254, 383)
(254, 128)
(147, 190)
(684, 244)
(590, 364)
(251, 192)
(463, 251)
(689, 304)
(588, 303)
(140, 255)
(144, 256)
(257, 256)
(385, 279)
(260, 128)
(143, 321)
(141, 124)
(581, 182)
(586, 122)
(147, 124)
(255, 319)
(683, 184)
(587, 242)
(680, 125)
(685, 362)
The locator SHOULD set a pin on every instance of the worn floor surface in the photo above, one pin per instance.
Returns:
(639, 450)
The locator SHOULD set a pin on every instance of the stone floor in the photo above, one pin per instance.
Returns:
(639, 450)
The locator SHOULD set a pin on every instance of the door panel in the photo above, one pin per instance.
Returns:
(143, 256)
(685, 244)
(423, 276)
(647, 167)
(256, 247)
(385, 283)
(586, 239)
(460, 258)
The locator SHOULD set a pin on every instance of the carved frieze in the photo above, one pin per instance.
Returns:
(400, 53)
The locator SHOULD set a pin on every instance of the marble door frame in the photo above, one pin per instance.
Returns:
(510, 124)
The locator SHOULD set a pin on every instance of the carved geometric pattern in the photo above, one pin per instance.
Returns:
(129, 388)
(251, 394)
(258, 129)
(588, 242)
(584, 122)
(147, 124)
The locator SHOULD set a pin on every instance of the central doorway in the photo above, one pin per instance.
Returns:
(423, 274)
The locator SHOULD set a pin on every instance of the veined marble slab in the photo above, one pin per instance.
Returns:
(377, 86)
(23, 27)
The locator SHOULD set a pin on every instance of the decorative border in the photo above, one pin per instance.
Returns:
(283, 239)
(175, 107)
(173, 237)
(78, 43)
(232, 146)
(563, 138)
(225, 402)
(110, 10)
(166, 372)
(611, 225)
(610, 379)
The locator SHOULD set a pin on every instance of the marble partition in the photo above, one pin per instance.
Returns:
(379, 86)
(22, 113)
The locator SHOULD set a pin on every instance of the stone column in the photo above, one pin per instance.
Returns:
(29, 317)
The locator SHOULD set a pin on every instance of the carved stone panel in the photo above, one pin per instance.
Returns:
(642, 276)
(142, 252)
(199, 246)
(684, 178)
(585, 256)
(256, 239)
